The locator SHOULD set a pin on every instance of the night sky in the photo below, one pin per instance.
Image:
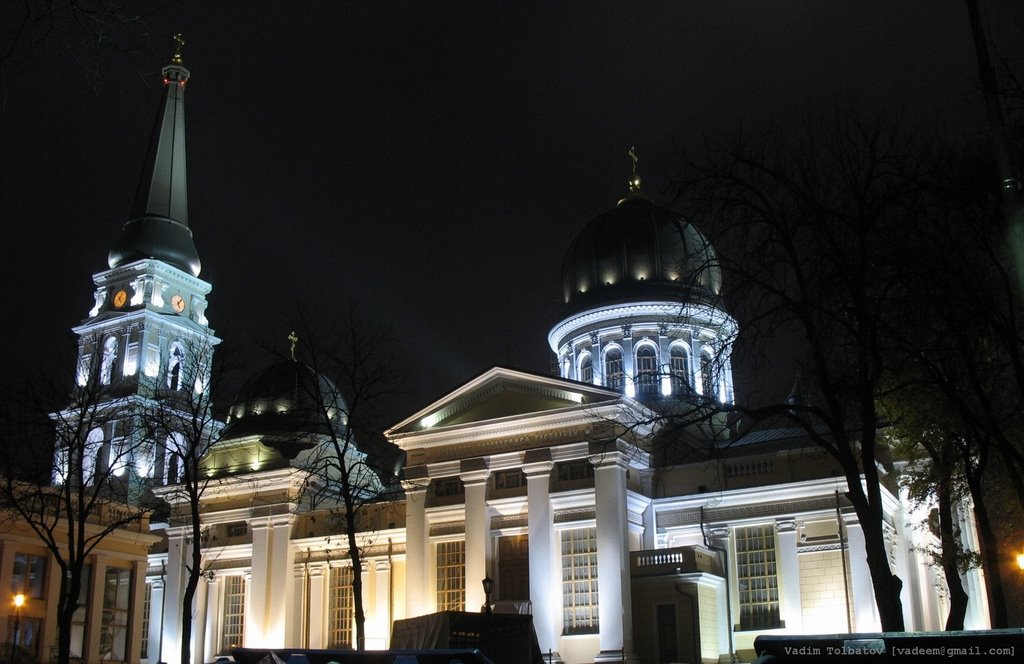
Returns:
(430, 162)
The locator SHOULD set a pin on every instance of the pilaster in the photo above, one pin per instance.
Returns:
(316, 630)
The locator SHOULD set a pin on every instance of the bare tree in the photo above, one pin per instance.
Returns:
(354, 468)
(808, 228)
(182, 429)
(94, 492)
(85, 32)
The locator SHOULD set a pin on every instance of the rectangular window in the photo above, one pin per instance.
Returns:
(234, 614)
(117, 586)
(579, 581)
(451, 576)
(240, 529)
(81, 615)
(575, 471)
(451, 486)
(342, 603)
(28, 575)
(757, 578)
(29, 633)
(509, 479)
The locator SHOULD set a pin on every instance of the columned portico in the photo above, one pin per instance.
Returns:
(613, 582)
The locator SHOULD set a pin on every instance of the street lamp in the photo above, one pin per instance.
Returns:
(19, 601)
(488, 589)
(1020, 561)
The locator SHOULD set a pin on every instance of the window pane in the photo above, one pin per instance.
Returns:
(579, 581)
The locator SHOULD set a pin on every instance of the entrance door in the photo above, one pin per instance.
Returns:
(514, 567)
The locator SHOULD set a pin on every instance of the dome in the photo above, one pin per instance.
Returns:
(156, 237)
(281, 404)
(639, 250)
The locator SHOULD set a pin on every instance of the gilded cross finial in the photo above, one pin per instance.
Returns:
(634, 180)
(177, 51)
(292, 337)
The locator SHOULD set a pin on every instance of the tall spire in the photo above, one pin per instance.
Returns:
(158, 227)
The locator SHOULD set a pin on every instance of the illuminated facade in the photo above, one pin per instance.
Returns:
(625, 541)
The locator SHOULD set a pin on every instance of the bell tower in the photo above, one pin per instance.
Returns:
(146, 338)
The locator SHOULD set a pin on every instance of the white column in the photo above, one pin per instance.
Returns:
(478, 535)
(178, 552)
(613, 583)
(214, 607)
(318, 587)
(545, 584)
(791, 611)
(280, 609)
(415, 550)
(156, 619)
(865, 612)
(381, 608)
(298, 627)
(256, 586)
(199, 624)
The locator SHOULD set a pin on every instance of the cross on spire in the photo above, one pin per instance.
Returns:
(634, 180)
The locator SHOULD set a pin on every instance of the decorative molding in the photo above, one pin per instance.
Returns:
(577, 514)
(510, 521)
(634, 518)
(451, 528)
(691, 516)
(816, 548)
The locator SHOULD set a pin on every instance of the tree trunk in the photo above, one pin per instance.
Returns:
(950, 548)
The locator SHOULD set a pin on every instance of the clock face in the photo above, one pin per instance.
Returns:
(178, 303)
(120, 297)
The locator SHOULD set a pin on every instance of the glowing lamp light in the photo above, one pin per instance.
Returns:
(19, 601)
(1020, 561)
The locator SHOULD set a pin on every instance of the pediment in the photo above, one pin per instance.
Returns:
(501, 393)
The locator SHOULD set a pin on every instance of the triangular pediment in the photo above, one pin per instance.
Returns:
(501, 393)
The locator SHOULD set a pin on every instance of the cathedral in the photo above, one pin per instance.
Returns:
(623, 541)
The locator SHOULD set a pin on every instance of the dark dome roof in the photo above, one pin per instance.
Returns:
(156, 237)
(280, 404)
(639, 250)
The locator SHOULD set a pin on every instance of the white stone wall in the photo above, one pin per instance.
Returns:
(707, 599)
(822, 598)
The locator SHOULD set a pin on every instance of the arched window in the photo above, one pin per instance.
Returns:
(709, 375)
(109, 357)
(145, 459)
(646, 370)
(91, 455)
(680, 368)
(613, 376)
(173, 452)
(587, 368)
(175, 360)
